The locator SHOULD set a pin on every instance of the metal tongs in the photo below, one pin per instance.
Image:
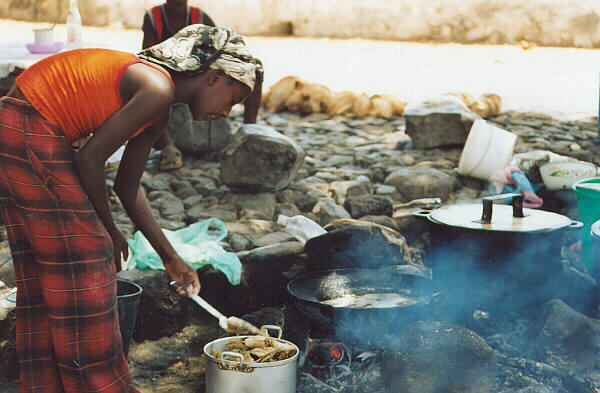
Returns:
(229, 324)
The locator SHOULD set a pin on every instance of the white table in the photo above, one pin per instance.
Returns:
(14, 55)
(14, 58)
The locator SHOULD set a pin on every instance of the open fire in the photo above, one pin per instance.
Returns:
(510, 326)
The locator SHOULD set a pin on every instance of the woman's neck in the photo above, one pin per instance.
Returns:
(186, 85)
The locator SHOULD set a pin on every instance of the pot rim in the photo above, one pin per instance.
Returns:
(477, 226)
(303, 300)
(224, 340)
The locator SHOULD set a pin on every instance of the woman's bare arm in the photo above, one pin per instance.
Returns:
(132, 195)
(148, 95)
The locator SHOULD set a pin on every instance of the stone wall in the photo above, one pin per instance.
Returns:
(546, 22)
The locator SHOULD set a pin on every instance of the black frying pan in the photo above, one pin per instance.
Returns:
(316, 291)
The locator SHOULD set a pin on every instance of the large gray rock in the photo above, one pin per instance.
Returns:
(445, 121)
(567, 338)
(434, 357)
(327, 210)
(260, 159)
(573, 287)
(260, 206)
(357, 244)
(304, 200)
(365, 205)
(267, 270)
(417, 183)
(196, 137)
(357, 187)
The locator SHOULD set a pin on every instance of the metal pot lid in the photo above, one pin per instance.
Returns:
(502, 220)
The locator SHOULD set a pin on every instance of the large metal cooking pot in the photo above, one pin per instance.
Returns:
(497, 251)
(226, 376)
(354, 304)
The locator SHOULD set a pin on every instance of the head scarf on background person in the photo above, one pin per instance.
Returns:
(196, 48)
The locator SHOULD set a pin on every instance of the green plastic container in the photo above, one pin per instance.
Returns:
(588, 206)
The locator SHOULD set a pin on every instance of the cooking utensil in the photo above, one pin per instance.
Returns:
(491, 254)
(314, 292)
(229, 324)
(224, 375)
(211, 310)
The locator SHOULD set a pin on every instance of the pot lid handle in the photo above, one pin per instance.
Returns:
(488, 202)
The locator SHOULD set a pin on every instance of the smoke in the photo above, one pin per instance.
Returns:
(475, 273)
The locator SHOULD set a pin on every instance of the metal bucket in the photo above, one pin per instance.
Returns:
(226, 376)
(128, 300)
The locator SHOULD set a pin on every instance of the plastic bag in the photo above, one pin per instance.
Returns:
(8, 302)
(195, 244)
(303, 228)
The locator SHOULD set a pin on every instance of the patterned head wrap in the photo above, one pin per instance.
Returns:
(196, 48)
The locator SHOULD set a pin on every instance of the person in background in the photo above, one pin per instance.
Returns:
(162, 22)
(65, 245)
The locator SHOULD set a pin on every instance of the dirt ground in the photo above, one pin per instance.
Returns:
(549, 80)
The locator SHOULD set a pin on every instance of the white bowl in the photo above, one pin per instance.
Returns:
(562, 175)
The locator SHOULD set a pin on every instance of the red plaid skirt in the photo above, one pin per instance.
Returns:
(68, 337)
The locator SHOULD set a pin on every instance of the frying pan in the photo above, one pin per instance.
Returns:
(314, 291)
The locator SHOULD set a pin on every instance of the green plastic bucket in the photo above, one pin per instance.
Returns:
(588, 206)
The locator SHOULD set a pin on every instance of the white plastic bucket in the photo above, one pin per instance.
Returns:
(488, 148)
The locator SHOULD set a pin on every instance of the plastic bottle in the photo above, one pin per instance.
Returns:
(303, 228)
(73, 27)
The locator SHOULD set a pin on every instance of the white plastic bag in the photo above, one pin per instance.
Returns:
(303, 228)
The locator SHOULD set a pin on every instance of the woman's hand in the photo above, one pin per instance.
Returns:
(120, 246)
(186, 276)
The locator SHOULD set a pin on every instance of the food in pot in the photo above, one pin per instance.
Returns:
(371, 300)
(258, 349)
(239, 326)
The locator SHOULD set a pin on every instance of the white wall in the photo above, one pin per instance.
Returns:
(547, 22)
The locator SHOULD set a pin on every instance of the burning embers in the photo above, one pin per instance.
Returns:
(333, 367)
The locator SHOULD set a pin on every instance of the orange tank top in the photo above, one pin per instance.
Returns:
(79, 89)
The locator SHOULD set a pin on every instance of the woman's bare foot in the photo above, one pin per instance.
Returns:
(170, 158)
